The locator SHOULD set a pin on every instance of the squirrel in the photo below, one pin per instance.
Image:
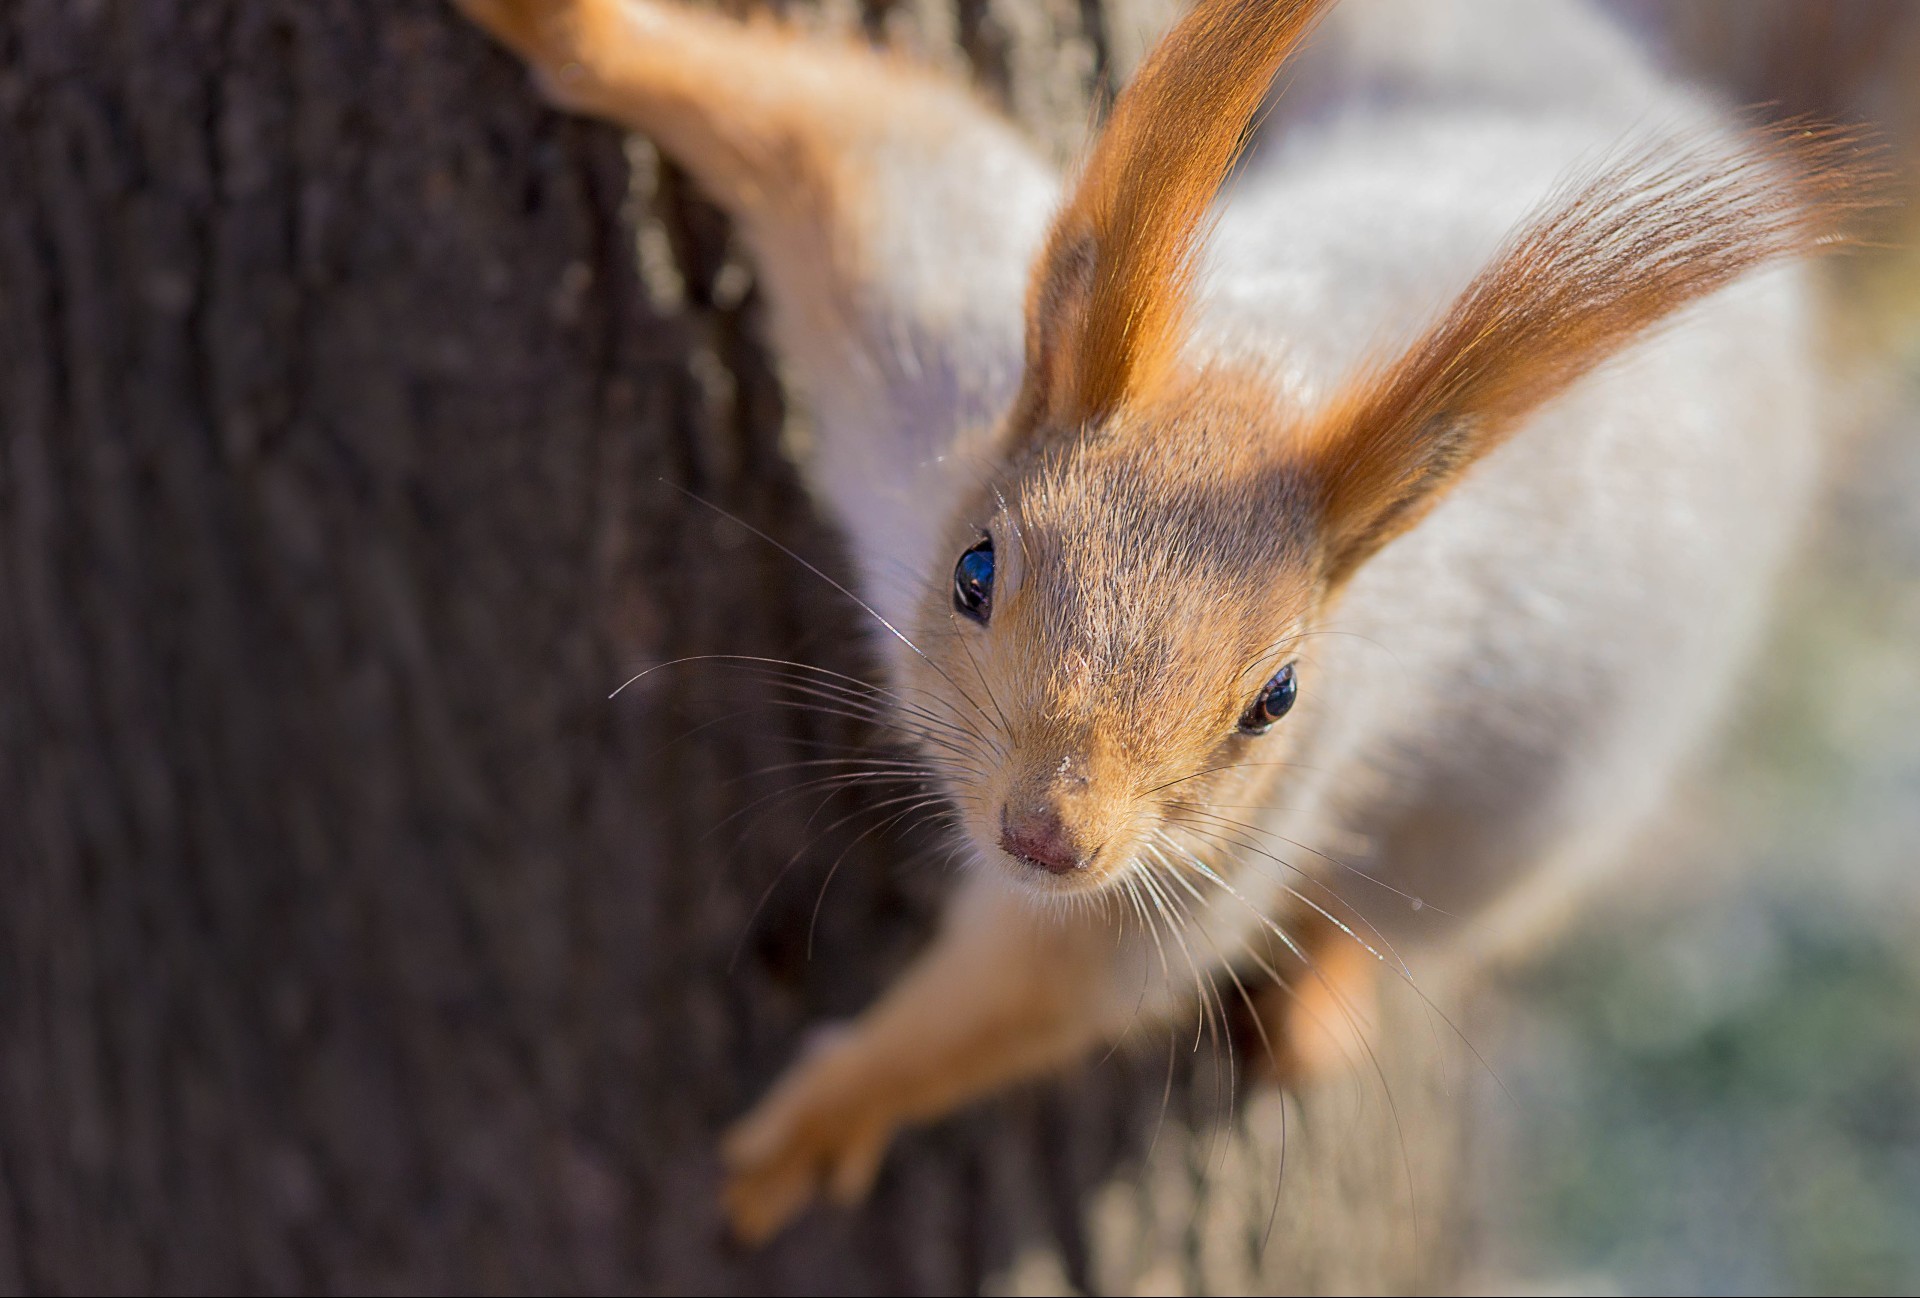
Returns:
(1412, 475)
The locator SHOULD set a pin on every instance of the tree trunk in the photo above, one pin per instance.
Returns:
(352, 938)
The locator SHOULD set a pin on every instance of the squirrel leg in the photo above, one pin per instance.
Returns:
(1006, 992)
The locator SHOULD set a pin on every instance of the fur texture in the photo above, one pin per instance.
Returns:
(1488, 403)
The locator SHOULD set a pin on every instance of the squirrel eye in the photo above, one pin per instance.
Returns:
(973, 581)
(1272, 704)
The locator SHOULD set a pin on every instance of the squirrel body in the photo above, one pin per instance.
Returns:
(1573, 613)
(1478, 411)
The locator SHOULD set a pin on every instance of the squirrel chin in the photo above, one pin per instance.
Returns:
(1030, 881)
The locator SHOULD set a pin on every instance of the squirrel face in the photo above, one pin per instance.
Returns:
(1118, 631)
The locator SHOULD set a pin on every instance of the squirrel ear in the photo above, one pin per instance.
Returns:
(1057, 388)
(1612, 256)
(1105, 312)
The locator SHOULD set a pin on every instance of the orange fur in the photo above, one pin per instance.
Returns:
(1640, 240)
(1105, 320)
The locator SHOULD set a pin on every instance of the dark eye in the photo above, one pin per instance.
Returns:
(1272, 704)
(973, 581)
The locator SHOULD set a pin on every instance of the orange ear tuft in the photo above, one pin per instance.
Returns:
(1616, 254)
(1104, 317)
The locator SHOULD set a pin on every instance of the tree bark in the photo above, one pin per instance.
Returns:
(352, 938)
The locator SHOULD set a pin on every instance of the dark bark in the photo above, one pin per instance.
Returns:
(352, 939)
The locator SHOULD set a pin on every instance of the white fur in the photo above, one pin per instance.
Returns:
(1526, 666)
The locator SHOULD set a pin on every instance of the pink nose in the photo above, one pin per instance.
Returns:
(1038, 838)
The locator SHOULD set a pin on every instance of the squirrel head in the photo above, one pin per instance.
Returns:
(1121, 633)
(1118, 644)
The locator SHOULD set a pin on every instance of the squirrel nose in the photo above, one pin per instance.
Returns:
(1040, 838)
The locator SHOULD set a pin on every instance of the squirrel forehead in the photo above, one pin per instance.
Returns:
(1094, 520)
(1182, 578)
(1185, 499)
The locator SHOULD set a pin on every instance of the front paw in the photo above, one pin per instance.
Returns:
(818, 1129)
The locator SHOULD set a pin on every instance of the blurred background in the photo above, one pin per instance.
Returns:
(350, 940)
(1716, 1077)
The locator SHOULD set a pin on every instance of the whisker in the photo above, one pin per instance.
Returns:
(1388, 956)
(687, 659)
(1347, 866)
(960, 741)
(1225, 1034)
(781, 874)
(813, 922)
(1398, 965)
(1300, 953)
(1224, 840)
(869, 703)
(949, 747)
(881, 699)
(880, 767)
(1215, 770)
(1005, 725)
(1176, 931)
(865, 607)
(833, 783)
(1133, 897)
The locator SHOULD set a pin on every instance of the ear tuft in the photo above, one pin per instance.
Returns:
(1616, 253)
(1105, 317)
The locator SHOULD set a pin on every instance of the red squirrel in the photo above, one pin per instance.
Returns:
(1417, 490)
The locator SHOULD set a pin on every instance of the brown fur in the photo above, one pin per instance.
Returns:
(1105, 322)
(1641, 240)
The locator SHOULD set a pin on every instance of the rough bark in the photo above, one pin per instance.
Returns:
(352, 938)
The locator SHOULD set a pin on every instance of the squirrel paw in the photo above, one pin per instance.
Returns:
(814, 1131)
